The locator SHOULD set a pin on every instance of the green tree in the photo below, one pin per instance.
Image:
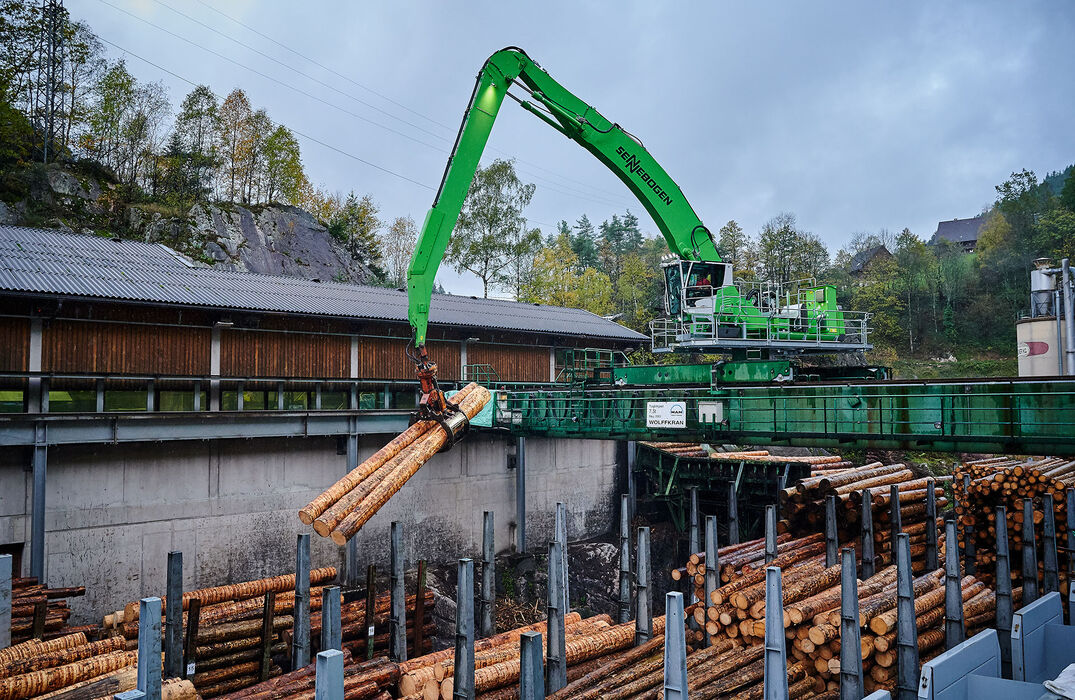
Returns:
(198, 128)
(1067, 192)
(523, 244)
(555, 281)
(776, 248)
(234, 137)
(584, 243)
(733, 244)
(491, 216)
(397, 246)
(283, 177)
(355, 223)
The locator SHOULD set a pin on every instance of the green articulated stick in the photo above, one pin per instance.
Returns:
(698, 295)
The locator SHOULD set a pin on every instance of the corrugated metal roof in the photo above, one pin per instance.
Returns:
(40, 261)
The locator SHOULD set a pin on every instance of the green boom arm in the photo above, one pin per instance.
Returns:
(621, 152)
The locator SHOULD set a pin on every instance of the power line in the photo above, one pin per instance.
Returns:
(553, 186)
(295, 131)
(398, 104)
(270, 78)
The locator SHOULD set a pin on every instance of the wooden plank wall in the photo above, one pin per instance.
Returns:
(15, 344)
(79, 346)
(512, 364)
(246, 353)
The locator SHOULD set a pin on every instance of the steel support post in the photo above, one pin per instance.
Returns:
(520, 495)
(831, 542)
(1051, 580)
(328, 681)
(851, 683)
(561, 535)
(280, 404)
(1030, 554)
(954, 631)
(675, 648)
(712, 565)
(99, 391)
(531, 673)
(694, 541)
(625, 560)
(300, 643)
(643, 609)
(463, 673)
(970, 554)
(895, 520)
(397, 623)
(867, 535)
(1070, 512)
(906, 627)
(352, 575)
(733, 515)
(932, 560)
(770, 533)
(149, 648)
(5, 600)
(173, 613)
(331, 623)
(776, 661)
(556, 653)
(37, 509)
(488, 575)
(1004, 593)
(632, 487)
(1067, 281)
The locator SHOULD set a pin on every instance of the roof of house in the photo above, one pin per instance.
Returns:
(959, 230)
(862, 258)
(46, 262)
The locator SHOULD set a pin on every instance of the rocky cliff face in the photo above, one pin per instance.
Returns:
(272, 240)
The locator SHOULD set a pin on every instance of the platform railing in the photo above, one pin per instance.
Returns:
(1012, 413)
(712, 330)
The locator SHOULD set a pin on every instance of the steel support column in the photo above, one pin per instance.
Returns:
(643, 609)
(625, 561)
(300, 643)
(561, 536)
(397, 623)
(675, 649)
(831, 541)
(954, 631)
(867, 535)
(173, 613)
(331, 622)
(851, 682)
(1004, 609)
(906, 627)
(932, 560)
(37, 510)
(5, 600)
(733, 515)
(1051, 578)
(520, 495)
(776, 661)
(556, 653)
(770, 533)
(149, 648)
(463, 675)
(488, 599)
(531, 673)
(712, 565)
(1030, 554)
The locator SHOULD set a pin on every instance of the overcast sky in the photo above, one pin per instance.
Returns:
(855, 116)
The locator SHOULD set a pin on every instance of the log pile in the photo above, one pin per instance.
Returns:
(803, 505)
(73, 666)
(590, 644)
(228, 645)
(39, 612)
(341, 510)
(982, 485)
(695, 450)
(362, 680)
(734, 621)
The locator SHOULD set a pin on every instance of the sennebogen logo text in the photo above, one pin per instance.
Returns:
(636, 168)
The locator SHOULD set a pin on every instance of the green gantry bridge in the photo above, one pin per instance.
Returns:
(1015, 416)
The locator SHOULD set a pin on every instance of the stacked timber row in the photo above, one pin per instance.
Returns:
(983, 485)
(342, 509)
(38, 612)
(590, 644)
(803, 505)
(228, 635)
(74, 666)
(695, 450)
(735, 618)
(362, 680)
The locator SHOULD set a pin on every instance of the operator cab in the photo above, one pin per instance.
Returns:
(691, 287)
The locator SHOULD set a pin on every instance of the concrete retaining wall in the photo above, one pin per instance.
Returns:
(114, 512)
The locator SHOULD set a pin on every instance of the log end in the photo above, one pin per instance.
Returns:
(339, 538)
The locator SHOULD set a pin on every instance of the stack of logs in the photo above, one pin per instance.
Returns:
(811, 613)
(803, 505)
(73, 666)
(982, 485)
(38, 612)
(362, 680)
(695, 450)
(342, 509)
(591, 644)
